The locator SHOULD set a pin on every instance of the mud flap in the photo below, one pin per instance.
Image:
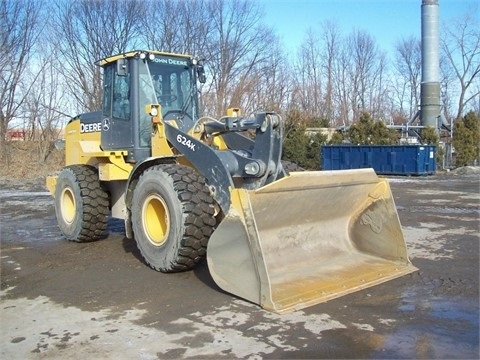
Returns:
(308, 238)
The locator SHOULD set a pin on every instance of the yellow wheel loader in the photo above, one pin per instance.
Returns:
(189, 187)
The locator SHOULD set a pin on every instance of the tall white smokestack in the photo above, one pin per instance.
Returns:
(430, 87)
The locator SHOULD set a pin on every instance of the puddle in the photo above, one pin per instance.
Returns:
(34, 210)
(427, 342)
(443, 328)
(19, 203)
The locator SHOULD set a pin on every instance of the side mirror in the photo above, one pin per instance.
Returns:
(201, 73)
(122, 67)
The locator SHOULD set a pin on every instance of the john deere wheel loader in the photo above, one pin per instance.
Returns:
(190, 187)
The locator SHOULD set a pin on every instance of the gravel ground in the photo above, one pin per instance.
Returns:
(99, 300)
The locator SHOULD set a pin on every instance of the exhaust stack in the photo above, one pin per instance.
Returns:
(430, 86)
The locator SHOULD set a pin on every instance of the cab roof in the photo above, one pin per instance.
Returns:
(135, 53)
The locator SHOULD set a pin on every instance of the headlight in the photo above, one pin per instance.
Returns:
(153, 111)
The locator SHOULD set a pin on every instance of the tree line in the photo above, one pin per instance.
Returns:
(48, 50)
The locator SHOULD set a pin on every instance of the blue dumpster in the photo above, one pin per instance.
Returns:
(384, 159)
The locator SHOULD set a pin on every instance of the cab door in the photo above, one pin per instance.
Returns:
(116, 111)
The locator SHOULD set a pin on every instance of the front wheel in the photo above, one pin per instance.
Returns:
(172, 217)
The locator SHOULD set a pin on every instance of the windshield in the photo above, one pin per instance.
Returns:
(168, 81)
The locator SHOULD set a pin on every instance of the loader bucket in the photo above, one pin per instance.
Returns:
(308, 238)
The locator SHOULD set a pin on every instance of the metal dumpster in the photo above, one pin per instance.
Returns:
(384, 159)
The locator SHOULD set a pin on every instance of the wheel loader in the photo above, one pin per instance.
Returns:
(190, 187)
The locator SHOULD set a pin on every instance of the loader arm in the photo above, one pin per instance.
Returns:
(248, 164)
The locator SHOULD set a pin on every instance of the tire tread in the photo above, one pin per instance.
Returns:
(95, 204)
(198, 212)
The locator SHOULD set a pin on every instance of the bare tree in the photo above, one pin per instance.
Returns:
(238, 45)
(367, 68)
(448, 86)
(309, 89)
(361, 48)
(87, 31)
(45, 106)
(271, 88)
(408, 71)
(331, 38)
(163, 35)
(318, 54)
(182, 26)
(342, 85)
(21, 25)
(461, 46)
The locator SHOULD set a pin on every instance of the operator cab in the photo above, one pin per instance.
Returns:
(135, 79)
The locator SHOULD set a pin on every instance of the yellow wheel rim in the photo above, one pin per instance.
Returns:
(156, 221)
(68, 205)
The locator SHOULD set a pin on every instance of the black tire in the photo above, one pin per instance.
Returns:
(81, 205)
(289, 167)
(172, 217)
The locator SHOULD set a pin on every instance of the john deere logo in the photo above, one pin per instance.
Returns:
(86, 128)
(106, 124)
(170, 61)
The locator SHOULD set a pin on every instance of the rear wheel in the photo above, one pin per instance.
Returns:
(172, 217)
(81, 205)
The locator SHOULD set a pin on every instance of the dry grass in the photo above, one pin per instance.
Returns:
(24, 160)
